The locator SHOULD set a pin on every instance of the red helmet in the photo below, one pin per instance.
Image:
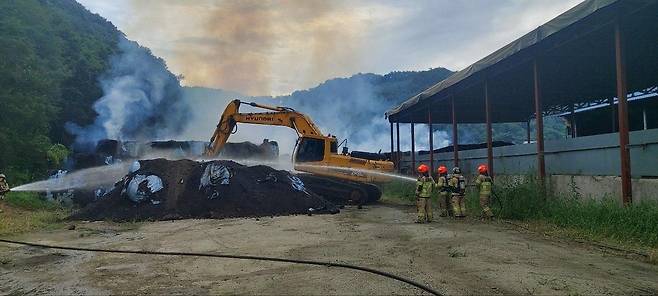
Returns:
(423, 169)
(482, 169)
(443, 170)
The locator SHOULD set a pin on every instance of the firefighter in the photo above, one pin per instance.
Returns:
(423, 194)
(444, 197)
(484, 183)
(457, 184)
(4, 187)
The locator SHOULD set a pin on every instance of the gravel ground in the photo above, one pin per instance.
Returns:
(454, 257)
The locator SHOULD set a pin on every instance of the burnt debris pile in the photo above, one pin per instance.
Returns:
(162, 189)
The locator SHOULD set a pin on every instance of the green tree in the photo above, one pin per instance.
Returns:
(56, 155)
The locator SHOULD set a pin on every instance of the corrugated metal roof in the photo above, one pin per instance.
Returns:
(442, 89)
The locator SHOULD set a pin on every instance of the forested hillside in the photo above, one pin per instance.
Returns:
(390, 88)
(67, 75)
(52, 53)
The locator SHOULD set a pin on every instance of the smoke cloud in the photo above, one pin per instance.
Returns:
(257, 47)
(304, 42)
(355, 111)
(141, 100)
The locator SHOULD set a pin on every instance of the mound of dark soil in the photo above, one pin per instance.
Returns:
(247, 150)
(251, 192)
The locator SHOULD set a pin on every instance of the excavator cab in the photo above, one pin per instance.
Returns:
(310, 150)
(313, 149)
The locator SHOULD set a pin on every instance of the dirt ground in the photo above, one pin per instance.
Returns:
(454, 257)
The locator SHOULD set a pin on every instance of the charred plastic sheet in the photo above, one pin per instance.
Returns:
(163, 190)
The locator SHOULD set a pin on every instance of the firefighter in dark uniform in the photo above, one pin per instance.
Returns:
(457, 184)
(444, 192)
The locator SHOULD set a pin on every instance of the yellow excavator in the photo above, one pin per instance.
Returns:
(337, 176)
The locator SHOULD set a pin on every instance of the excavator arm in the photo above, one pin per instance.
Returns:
(278, 116)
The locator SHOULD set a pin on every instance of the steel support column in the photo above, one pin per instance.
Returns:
(487, 111)
(539, 124)
(455, 136)
(613, 115)
(622, 107)
(527, 131)
(392, 157)
(429, 126)
(413, 149)
(575, 127)
(397, 139)
(572, 121)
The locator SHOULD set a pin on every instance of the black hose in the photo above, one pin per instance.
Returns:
(243, 257)
(497, 198)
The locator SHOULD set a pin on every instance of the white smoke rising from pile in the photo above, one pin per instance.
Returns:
(141, 100)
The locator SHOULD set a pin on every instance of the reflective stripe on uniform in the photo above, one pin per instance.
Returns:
(425, 187)
(484, 183)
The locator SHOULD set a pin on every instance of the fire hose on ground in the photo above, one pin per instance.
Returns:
(229, 256)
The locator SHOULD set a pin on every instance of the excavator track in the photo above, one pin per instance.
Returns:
(341, 191)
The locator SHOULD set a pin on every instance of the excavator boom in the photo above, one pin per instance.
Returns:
(282, 116)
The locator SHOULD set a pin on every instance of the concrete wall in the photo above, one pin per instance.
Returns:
(591, 163)
(598, 187)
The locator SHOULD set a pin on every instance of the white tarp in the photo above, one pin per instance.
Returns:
(142, 187)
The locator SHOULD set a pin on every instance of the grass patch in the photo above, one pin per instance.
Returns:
(604, 220)
(568, 215)
(399, 192)
(404, 193)
(29, 201)
(23, 212)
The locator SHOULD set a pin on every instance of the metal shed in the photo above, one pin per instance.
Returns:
(598, 50)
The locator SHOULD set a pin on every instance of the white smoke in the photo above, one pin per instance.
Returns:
(141, 100)
(355, 112)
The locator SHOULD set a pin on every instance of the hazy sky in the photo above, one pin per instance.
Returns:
(260, 47)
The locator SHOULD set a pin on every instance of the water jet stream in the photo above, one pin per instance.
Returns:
(364, 171)
(85, 178)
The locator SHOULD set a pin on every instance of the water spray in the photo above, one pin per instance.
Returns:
(86, 178)
(357, 170)
(287, 165)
